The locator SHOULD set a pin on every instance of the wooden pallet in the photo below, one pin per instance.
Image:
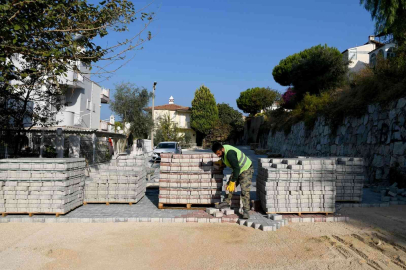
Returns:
(300, 213)
(30, 214)
(108, 203)
(188, 206)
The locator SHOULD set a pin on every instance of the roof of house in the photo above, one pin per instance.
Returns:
(377, 43)
(169, 107)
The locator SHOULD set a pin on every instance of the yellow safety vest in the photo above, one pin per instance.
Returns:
(243, 161)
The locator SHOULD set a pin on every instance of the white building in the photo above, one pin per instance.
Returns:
(386, 51)
(82, 100)
(359, 55)
(178, 114)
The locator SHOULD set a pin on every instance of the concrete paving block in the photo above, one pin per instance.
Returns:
(330, 219)
(256, 225)
(275, 216)
(267, 228)
(218, 214)
(249, 223)
(242, 222)
(307, 219)
(179, 220)
(167, 220)
(215, 220)
(155, 220)
(202, 220)
(50, 220)
(211, 211)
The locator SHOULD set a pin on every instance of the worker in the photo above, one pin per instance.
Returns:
(241, 175)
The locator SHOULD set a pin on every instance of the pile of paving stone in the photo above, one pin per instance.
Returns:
(297, 185)
(393, 194)
(350, 179)
(189, 179)
(40, 185)
(122, 180)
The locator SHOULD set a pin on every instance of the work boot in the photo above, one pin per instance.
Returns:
(246, 215)
(222, 205)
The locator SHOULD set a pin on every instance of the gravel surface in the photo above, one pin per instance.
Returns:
(374, 238)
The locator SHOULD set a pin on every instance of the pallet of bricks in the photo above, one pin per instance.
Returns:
(350, 175)
(122, 180)
(296, 186)
(189, 180)
(41, 186)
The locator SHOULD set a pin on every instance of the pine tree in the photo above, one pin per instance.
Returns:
(204, 111)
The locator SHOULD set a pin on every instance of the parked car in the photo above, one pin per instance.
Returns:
(166, 147)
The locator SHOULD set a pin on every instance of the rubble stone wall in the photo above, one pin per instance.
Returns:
(379, 136)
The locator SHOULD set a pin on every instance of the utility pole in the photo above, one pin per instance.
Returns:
(153, 124)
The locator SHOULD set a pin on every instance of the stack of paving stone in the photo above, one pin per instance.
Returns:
(40, 185)
(120, 181)
(296, 185)
(189, 179)
(350, 179)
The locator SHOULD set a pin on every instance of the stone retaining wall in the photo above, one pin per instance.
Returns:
(379, 136)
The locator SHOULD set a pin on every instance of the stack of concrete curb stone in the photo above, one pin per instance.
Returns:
(122, 180)
(296, 186)
(189, 179)
(40, 185)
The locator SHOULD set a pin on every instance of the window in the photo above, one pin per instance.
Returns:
(372, 60)
(390, 53)
(352, 54)
(182, 120)
(88, 104)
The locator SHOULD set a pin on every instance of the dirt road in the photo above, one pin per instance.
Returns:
(375, 238)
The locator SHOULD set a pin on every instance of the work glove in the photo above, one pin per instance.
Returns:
(231, 186)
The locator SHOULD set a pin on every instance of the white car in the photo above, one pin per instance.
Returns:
(166, 147)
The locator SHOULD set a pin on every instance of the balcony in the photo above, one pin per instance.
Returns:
(105, 95)
(71, 79)
(104, 125)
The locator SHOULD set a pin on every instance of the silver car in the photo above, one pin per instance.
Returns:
(166, 147)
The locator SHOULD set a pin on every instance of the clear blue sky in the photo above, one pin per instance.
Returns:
(233, 45)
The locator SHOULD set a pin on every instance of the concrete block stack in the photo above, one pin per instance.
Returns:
(189, 179)
(296, 186)
(350, 179)
(120, 181)
(41, 185)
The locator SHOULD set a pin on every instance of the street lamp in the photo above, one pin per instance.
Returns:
(153, 126)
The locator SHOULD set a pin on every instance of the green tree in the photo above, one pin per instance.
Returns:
(253, 100)
(40, 41)
(389, 16)
(233, 118)
(167, 130)
(314, 70)
(204, 111)
(128, 103)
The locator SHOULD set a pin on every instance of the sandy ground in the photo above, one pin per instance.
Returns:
(375, 238)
